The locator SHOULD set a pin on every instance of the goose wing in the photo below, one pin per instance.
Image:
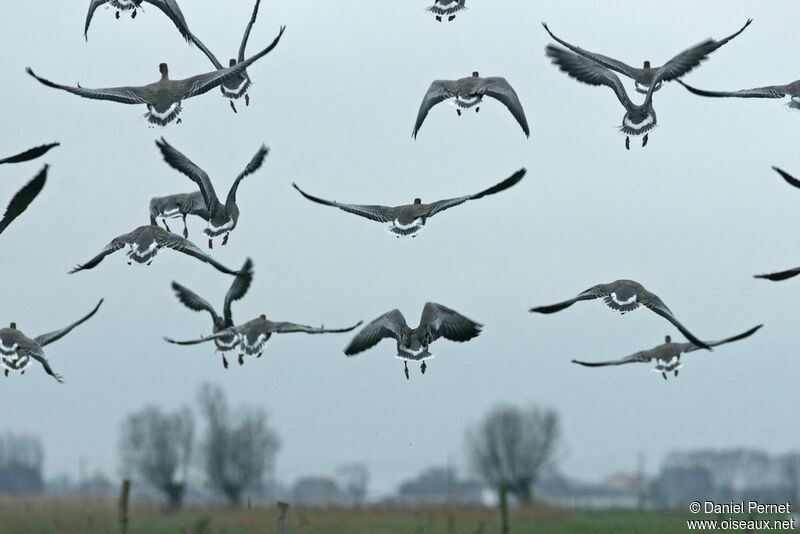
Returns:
(587, 71)
(238, 289)
(441, 205)
(50, 337)
(595, 292)
(23, 198)
(781, 275)
(254, 164)
(181, 244)
(439, 91)
(222, 334)
(291, 328)
(643, 356)
(791, 180)
(115, 245)
(31, 153)
(184, 165)
(373, 212)
(605, 61)
(655, 304)
(770, 91)
(249, 27)
(38, 354)
(448, 323)
(390, 324)
(193, 301)
(171, 9)
(122, 95)
(499, 89)
(737, 337)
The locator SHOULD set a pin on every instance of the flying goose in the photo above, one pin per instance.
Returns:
(447, 8)
(638, 119)
(468, 93)
(20, 202)
(409, 219)
(236, 87)
(624, 296)
(169, 7)
(222, 218)
(163, 98)
(413, 343)
(145, 242)
(771, 91)
(31, 153)
(647, 75)
(17, 350)
(667, 356)
(237, 290)
(179, 205)
(252, 336)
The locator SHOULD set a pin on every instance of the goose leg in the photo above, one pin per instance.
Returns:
(225, 240)
(224, 361)
(676, 372)
(210, 243)
(246, 99)
(664, 375)
(450, 18)
(133, 15)
(477, 109)
(627, 143)
(233, 106)
(438, 18)
(6, 372)
(405, 364)
(185, 228)
(644, 141)
(423, 367)
(241, 358)
(458, 111)
(165, 224)
(117, 15)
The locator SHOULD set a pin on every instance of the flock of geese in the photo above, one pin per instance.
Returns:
(164, 99)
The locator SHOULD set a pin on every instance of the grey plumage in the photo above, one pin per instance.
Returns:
(409, 219)
(30, 154)
(169, 7)
(178, 205)
(163, 98)
(770, 91)
(145, 242)
(644, 77)
(23, 198)
(17, 350)
(667, 355)
(624, 296)
(222, 218)
(447, 8)
(468, 93)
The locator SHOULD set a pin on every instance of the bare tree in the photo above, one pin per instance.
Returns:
(510, 447)
(355, 479)
(238, 448)
(21, 459)
(157, 448)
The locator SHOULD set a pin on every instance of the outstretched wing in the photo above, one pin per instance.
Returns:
(448, 323)
(781, 275)
(89, 14)
(123, 95)
(254, 164)
(590, 294)
(654, 303)
(605, 61)
(181, 244)
(390, 324)
(737, 337)
(439, 91)
(373, 212)
(441, 205)
(202, 83)
(691, 57)
(171, 9)
(182, 164)
(249, 27)
(193, 301)
(31, 153)
(20, 202)
(116, 244)
(291, 328)
(791, 180)
(222, 334)
(770, 91)
(499, 88)
(46, 339)
(238, 289)
(38, 355)
(643, 356)
(587, 71)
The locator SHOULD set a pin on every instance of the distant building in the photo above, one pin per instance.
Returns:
(619, 491)
(318, 491)
(441, 486)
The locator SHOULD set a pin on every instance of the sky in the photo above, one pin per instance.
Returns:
(692, 216)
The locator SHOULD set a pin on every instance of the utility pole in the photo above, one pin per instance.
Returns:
(640, 489)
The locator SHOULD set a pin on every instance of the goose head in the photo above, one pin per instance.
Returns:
(13, 326)
(417, 201)
(646, 65)
(232, 62)
(263, 317)
(164, 70)
(475, 74)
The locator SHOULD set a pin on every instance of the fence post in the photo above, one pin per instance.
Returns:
(124, 494)
(283, 520)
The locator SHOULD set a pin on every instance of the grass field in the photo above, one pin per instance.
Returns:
(63, 516)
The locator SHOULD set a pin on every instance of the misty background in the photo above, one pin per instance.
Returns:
(692, 216)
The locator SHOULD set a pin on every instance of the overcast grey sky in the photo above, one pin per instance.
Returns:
(692, 216)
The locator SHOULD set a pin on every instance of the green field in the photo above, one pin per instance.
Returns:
(38, 515)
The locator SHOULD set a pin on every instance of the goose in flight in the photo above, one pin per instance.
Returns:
(20, 202)
(252, 336)
(164, 97)
(447, 8)
(179, 205)
(168, 7)
(222, 218)
(413, 343)
(17, 350)
(237, 291)
(647, 75)
(638, 119)
(237, 86)
(771, 91)
(624, 296)
(409, 219)
(144, 244)
(468, 93)
(667, 356)
(30, 154)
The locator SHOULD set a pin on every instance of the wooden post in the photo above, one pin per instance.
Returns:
(504, 508)
(124, 495)
(283, 520)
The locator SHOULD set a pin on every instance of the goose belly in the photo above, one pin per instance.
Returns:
(163, 116)
(410, 229)
(466, 102)
(236, 87)
(413, 355)
(226, 344)
(143, 252)
(15, 362)
(254, 346)
(125, 5)
(216, 229)
(446, 7)
(621, 303)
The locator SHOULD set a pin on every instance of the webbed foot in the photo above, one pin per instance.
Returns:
(451, 18)
(644, 141)
(225, 240)
(459, 112)
(224, 361)
(117, 15)
(406, 370)
(210, 243)
(664, 375)
(185, 228)
(133, 15)
(438, 18)
(423, 367)
(246, 100)
(233, 106)
(627, 143)
(241, 359)
(477, 109)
